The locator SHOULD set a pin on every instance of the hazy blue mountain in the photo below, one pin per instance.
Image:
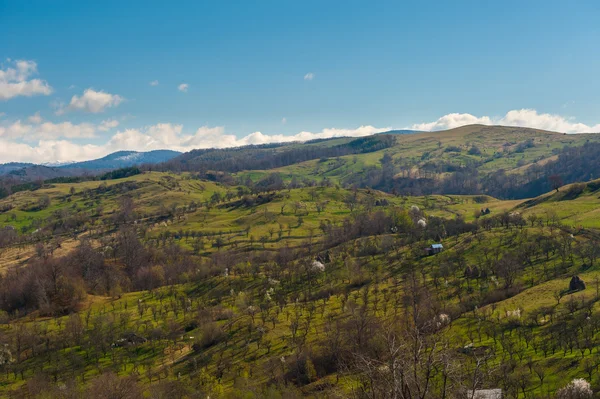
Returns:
(116, 160)
(122, 159)
(9, 167)
(42, 172)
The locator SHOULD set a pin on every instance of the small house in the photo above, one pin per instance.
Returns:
(485, 394)
(434, 249)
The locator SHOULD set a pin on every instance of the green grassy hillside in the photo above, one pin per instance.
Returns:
(179, 287)
(498, 146)
(481, 158)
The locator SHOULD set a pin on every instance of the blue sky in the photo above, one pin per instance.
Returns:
(83, 84)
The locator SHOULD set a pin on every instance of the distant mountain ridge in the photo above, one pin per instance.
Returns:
(9, 167)
(122, 159)
(116, 160)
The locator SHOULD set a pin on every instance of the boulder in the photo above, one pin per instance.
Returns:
(576, 284)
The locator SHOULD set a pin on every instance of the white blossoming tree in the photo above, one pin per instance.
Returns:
(576, 389)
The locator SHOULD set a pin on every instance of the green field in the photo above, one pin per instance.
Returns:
(223, 326)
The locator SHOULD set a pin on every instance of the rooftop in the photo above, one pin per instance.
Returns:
(487, 394)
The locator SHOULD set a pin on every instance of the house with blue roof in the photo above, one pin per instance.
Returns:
(434, 249)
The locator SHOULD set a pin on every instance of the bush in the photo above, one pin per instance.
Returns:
(212, 334)
(109, 385)
(6, 207)
(149, 278)
(41, 204)
(192, 325)
(574, 191)
(480, 199)
(452, 148)
(474, 150)
(521, 147)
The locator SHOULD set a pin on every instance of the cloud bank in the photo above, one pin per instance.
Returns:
(521, 117)
(172, 136)
(36, 130)
(37, 140)
(49, 142)
(15, 81)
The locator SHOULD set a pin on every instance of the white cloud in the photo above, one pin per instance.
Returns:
(451, 121)
(283, 121)
(183, 87)
(15, 130)
(48, 151)
(46, 130)
(54, 141)
(94, 101)
(64, 129)
(14, 81)
(160, 136)
(154, 83)
(557, 123)
(15, 139)
(166, 135)
(108, 124)
(521, 117)
(35, 118)
(309, 76)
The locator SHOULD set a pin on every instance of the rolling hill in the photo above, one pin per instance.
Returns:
(298, 279)
(505, 162)
(224, 287)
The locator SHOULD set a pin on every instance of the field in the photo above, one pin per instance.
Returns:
(178, 284)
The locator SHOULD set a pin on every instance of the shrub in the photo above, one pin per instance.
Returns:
(474, 150)
(452, 148)
(149, 278)
(521, 147)
(575, 190)
(212, 334)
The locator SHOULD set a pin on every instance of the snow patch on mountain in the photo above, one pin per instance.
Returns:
(130, 157)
